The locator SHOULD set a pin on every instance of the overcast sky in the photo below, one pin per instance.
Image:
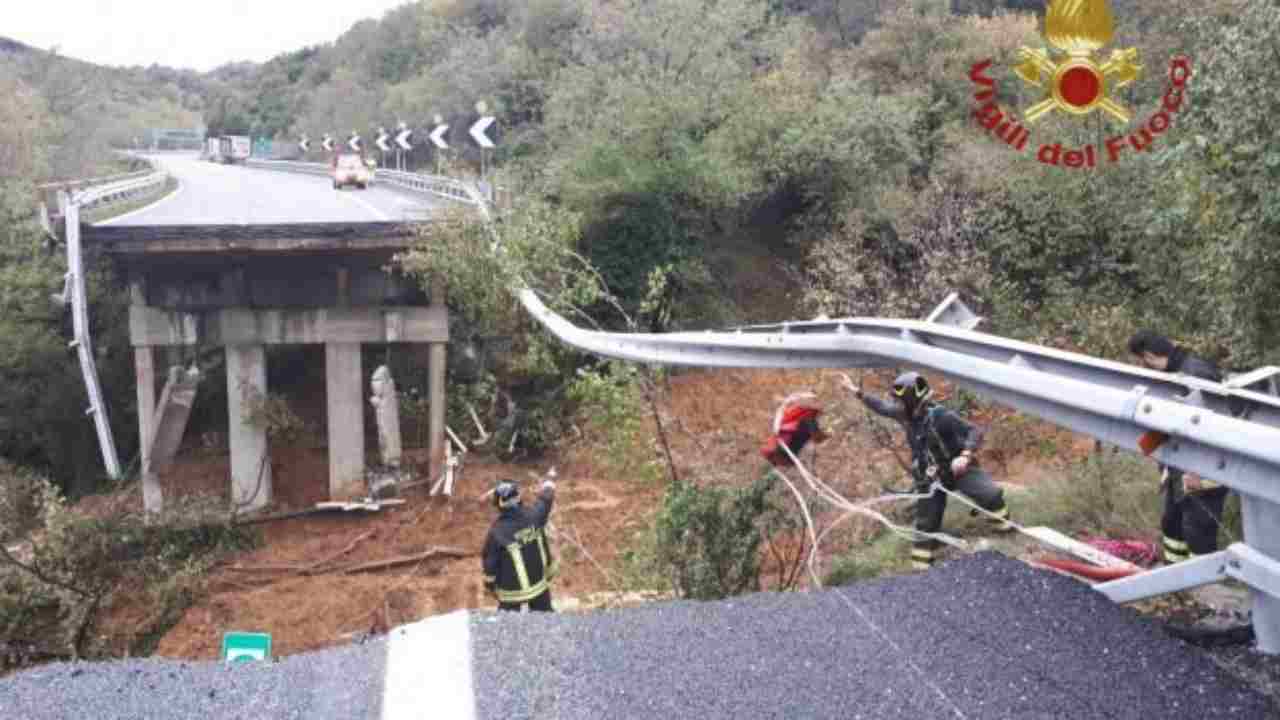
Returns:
(182, 33)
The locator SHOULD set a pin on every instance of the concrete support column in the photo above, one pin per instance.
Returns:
(145, 371)
(435, 389)
(1262, 533)
(250, 464)
(344, 382)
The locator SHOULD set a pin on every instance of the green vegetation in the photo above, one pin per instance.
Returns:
(73, 566)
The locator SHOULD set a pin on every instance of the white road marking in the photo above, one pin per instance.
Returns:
(145, 208)
(429, 670)
(376, 212)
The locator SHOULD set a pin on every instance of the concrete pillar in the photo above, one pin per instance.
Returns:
(435, 390)
(343, 385)
(145, 371)
(250, 464)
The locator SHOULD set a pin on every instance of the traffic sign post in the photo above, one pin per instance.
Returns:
(437, 139)
(246, 647)
(402, 144)
(477, 133)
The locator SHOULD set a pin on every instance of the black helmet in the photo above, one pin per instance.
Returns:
(507, 494)
(912, 388)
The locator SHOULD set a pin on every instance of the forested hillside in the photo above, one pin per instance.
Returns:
(827, 147)
(87, 109)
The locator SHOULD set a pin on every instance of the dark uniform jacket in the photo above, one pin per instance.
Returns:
(1184, 362)
(936, 435)
(518, 564)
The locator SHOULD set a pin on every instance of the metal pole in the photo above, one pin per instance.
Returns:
(1262, 533)
(82, 344)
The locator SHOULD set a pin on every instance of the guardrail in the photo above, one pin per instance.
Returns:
(72, 184)
(436, 185)
(119, 191)
(1229, 432)
(97, 194)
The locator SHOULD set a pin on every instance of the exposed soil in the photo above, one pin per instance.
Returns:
(715, 421)
(293, 586)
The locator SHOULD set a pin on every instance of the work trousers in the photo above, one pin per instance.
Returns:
(542, 603)
(975, 484)
(1191, 519)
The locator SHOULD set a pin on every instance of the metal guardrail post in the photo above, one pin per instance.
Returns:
(1262, 533)
(82, 342)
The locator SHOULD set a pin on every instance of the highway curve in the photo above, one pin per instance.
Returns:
(212, 194)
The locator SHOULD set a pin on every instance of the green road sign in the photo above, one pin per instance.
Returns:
(243, 647)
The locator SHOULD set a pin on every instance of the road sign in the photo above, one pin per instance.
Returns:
(437, 137)
(477, 132)
(245, 647)
(382, 140)
(305, 144)
(328, 142)
(354, 142)
(402, 138)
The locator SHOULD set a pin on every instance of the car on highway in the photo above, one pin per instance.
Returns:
(351, 169)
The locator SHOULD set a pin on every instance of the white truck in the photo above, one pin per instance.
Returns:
(211, 149)
(234, 148)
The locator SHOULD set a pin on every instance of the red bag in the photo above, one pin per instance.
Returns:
(795, 425)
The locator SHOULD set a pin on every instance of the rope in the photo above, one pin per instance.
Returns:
(863, 508)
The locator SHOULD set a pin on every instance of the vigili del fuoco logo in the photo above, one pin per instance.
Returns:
(1077, 84)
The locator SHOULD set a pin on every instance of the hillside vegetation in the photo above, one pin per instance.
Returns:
(826, 150)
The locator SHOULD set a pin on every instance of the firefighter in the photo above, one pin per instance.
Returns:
(518, 564)
(942, 448)
(1192, 505)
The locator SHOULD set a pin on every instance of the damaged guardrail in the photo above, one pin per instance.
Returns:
(1229, 432)
(70, 203)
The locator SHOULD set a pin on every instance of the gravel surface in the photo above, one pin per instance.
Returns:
(981, 637)
(342, 683)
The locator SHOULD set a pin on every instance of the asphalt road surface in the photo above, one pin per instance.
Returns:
(980, 637)
(212, 194)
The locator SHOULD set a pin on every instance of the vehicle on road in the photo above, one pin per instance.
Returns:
(234, 148)
(351, 169)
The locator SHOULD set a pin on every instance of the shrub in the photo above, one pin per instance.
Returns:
(77, 565)
(710, 537)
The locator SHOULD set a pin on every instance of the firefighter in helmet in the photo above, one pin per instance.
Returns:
(518, 564)
(942, 448)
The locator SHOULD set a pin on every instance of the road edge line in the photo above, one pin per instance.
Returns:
(428, 670)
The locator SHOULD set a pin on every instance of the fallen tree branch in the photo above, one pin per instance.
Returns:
(37, 574)
(351, 546)
(403, 560)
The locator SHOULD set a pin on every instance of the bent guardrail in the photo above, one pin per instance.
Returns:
(1229, 432)
(96, 195)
